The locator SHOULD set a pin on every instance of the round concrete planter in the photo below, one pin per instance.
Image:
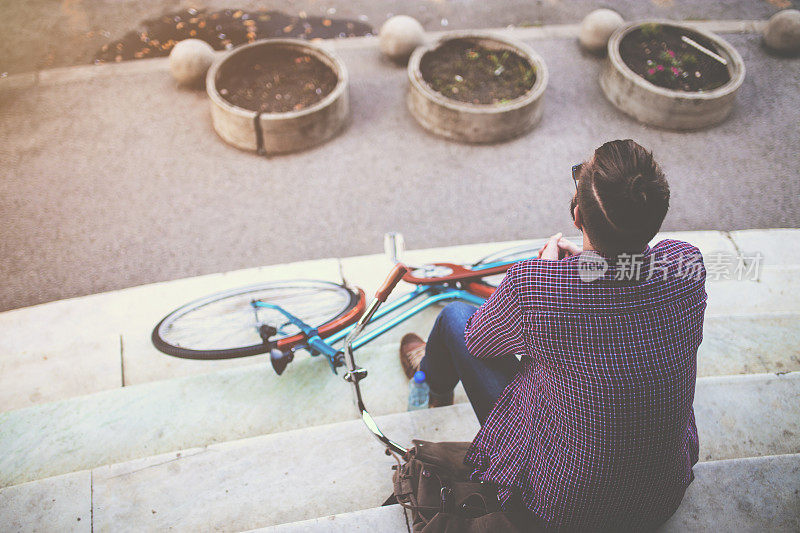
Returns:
(275, 133)
(474, 123)
(667, 108)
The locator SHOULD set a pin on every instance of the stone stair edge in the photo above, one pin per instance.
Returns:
(162, 367)
(102, 341)
(76, 488)
(59, 75)
(743, 378)
(386, 419)
(162, 457)
(132, 467)
(732, 315)
(380, 420)
(444, 250)
(179, 380)
(391, 518)
(455, 411)
(307, 262)
(224, 391)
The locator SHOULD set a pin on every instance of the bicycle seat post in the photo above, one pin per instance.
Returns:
(394, 246)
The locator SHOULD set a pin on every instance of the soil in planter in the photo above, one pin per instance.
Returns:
(276, 81)
(657, 53)
(222, 30)
(463, 70)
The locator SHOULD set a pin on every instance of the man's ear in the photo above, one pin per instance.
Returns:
(577, 216)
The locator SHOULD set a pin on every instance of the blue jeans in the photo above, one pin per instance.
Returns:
(447, 361)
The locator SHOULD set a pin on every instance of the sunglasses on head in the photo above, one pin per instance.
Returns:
(576, 173)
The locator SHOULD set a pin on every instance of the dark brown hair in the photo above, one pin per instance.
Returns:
(623, 198)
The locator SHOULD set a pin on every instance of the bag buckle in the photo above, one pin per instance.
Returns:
(445, 494)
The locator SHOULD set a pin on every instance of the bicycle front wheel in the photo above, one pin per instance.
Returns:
(227, 324)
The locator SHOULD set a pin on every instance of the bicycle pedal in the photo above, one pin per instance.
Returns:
(280, 360)
(265, 331)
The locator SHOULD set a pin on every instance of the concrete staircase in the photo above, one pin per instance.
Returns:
(768, 504)
(100, 431)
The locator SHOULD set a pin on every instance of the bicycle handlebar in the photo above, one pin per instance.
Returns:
(355, 373)
(391, 282)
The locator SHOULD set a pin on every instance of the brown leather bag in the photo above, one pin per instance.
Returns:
(434, 485)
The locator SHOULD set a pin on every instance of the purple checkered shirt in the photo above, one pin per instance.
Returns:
(597, 430)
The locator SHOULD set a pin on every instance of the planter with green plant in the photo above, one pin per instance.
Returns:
(475, 87)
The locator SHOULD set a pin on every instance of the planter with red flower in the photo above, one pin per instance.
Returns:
(671, 75)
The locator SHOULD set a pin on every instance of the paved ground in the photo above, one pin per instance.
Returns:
(38, 34)
(117, 179)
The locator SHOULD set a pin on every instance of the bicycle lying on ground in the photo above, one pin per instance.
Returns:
(283, 317)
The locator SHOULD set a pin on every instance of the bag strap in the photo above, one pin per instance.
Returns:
(412, 505)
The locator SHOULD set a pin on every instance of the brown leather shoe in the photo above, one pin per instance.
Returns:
(412, 349)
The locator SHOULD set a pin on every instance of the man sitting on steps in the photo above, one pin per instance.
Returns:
(581, 367)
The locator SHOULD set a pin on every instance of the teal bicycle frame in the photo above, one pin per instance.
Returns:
(432, 294)
(429, 295)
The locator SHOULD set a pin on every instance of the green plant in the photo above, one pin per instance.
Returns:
(527, 74)
(689, 60)
(650, 30)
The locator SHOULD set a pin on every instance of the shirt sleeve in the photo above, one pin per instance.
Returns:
(495, 329)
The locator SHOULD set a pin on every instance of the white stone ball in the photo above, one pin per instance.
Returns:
(782, 33)
(399, 36)
(597, 27)
(189, 61)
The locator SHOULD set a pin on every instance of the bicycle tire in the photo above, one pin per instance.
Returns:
(348, 305)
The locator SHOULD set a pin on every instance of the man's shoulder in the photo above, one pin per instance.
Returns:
(669, 270)
(682, 256)
(676, 248)
(534, 279)
(532, 270)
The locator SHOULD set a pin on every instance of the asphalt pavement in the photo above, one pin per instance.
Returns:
(113, 177)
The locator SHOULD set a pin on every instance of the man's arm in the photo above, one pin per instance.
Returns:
(496, 327)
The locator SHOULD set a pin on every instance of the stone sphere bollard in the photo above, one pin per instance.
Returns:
(597, 27)
(782, 33)
(399, 36)
(189, 61)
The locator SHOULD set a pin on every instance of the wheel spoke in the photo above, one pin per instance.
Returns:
(227, 320)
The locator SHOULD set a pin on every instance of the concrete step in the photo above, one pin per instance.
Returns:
(753, 494)
(336, 468)
(102, 342)
(163, 416)
(750, 344)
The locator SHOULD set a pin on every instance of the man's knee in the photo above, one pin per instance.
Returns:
(455, 315)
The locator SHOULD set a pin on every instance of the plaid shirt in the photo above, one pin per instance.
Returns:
(597, 430)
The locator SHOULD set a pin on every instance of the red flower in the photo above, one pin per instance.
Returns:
(660, 68)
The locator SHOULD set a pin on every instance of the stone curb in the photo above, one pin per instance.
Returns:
(161, 64)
